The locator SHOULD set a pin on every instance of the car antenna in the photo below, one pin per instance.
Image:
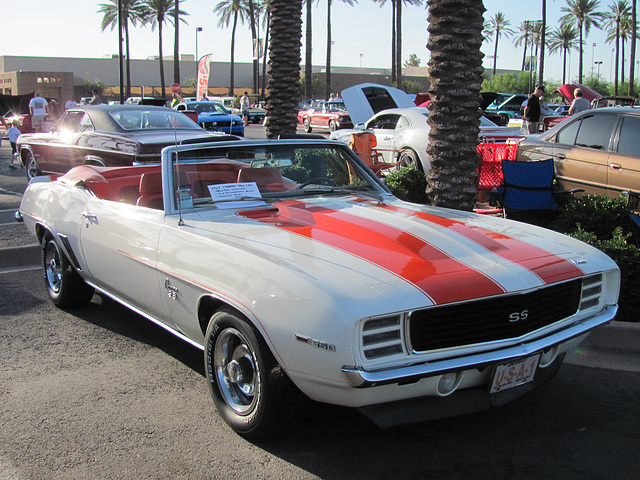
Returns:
(175, 140)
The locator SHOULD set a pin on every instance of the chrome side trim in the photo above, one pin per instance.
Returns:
(148, 317)
(359, 378)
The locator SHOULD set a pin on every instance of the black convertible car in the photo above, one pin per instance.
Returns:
(108, 135)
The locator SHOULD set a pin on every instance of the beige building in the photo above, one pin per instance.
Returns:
(63, 78)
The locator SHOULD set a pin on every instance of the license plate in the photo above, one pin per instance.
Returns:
(514, 373)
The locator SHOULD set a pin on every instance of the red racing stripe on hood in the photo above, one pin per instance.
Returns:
(439, 276)
(548, 267)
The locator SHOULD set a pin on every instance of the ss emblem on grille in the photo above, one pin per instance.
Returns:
(517, 316)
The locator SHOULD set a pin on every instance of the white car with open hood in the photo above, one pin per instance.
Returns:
(297, 273)
(400, 127)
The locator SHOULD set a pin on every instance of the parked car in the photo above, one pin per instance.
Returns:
(330, 116)
(256, 114)
(508, 104)
(402, 133)
(297, 273)
(598, 150)
(213, 117)
(108, 135)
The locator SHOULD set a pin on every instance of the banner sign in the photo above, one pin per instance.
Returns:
(203, 76)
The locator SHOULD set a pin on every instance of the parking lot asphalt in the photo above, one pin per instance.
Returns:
(615, 346)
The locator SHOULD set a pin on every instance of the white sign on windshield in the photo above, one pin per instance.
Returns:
(224, 192)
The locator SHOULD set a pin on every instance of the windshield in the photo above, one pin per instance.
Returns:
(211, 107)
(335, 107)
(152, 119)
(249, 175)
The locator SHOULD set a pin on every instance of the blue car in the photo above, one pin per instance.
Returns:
(214, 117)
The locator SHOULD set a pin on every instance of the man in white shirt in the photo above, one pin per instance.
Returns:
(579, 104)
(71, 103)
(39, 108)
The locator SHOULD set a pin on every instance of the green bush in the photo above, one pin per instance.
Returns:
(408, 184)
(603, 223)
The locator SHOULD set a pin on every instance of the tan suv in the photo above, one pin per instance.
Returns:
(598, 150)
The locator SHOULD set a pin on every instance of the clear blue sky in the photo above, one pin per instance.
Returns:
(362, 34)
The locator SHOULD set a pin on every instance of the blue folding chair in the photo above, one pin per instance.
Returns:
(527, 194)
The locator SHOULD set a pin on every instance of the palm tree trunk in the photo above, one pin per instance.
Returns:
(543, 42)
(233, 54)
(399, 43)
(327, 91)
(393, 41)
(264, 57)
(524, 52)
(564, 65)
(617, 67)
(308, 67)
(623, 62)
(254, 43)
(455, 75)
(284, 66)
(176, 43)
(128, 62)
(495, 53)
(632, 71)
(580, 54)
(162, 83)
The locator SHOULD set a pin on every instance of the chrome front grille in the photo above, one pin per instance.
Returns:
(499, 318)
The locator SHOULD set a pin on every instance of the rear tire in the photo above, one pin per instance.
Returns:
(252, 393)
(409, 158)
(65, 287)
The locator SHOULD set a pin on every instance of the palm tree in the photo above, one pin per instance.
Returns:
(613, 21)
(634, 35)
(284, 66)
(626, 26)
(254, 13)
(308, 61)
(396, 36)
(133, 11)
(525, 35)
(498, 25)
(455, 74)
(563, 38)
(328, 66)
(584, 13)
(158, 14)
(176, 42)
(543, 41)
(231, 10)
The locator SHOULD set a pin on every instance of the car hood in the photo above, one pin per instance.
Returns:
(216, 117)
(567, 90)
(446, 255)
(365, 100)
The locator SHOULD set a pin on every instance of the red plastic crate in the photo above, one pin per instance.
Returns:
(490, 165)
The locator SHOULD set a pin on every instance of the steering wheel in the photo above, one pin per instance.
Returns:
(319, 181)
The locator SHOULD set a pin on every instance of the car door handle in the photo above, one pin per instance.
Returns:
(615, 166)
(561, 156)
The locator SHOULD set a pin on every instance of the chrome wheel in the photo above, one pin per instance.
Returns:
(32, 167)
(307, 125)
(52, 267)
(409, 158)
(236, 370)
(332, 126)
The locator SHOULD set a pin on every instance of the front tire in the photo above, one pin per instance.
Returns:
(65, 287)
(307, 125)
(332, 126)
(32, 166)
(250, 390)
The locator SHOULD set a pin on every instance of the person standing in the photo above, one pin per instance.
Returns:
(95, 99)
(532, 111)
(244, 108)
(38, 108)
(579, 104)
(71, 103)
(13, 133)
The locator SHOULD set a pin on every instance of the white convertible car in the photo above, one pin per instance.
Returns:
(297, 273)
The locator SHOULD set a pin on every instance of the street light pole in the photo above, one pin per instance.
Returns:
(198, 29)
(599, 62)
